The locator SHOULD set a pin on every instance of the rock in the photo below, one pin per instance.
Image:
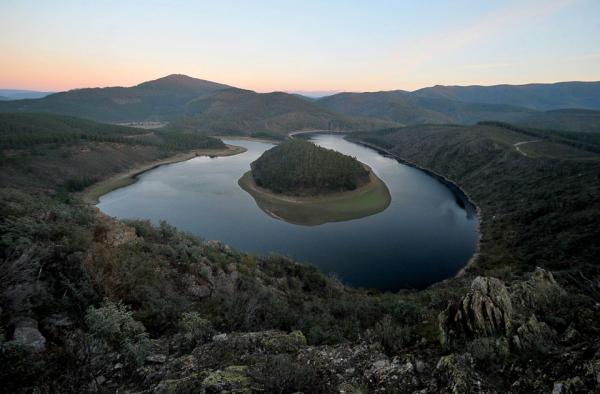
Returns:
(27, 335)
(485, 311)
(570, 386)
(534, 336)
(118, 366)
(190, 384)
(538, 293)
(231, 379)
(385, 376)
(455, 374)
(344, 363)
(244, 345)
(558, 388)
(219, 337)
(156, 358)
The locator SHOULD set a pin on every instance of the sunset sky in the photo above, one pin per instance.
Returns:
(298, 45)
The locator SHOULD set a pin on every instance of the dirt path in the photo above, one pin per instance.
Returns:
(518, 144)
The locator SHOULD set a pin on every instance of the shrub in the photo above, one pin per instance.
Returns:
(280, 374)
(195, 329)
(114, 324)
(389, 335)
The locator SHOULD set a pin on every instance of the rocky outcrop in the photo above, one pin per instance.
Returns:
(534, 335)
(455, 374)
(485, 311)
(247, 345)
(538, 293)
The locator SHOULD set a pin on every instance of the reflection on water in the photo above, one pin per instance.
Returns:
(426, 234)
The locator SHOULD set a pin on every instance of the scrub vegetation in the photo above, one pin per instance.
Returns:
(89, 303)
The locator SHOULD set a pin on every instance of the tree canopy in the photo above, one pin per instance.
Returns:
(299, 167)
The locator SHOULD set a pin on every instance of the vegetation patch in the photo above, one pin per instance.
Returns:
(301, 183)
(372, 198)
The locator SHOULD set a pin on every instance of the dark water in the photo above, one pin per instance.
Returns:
(424, 236)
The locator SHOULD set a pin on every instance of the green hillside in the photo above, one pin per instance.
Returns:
(129, 304)
(161, 99)
(406, 108)
(46, 152)
(237, 111)
(565, 119)
(538, 96)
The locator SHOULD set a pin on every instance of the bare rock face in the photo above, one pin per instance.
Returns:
(485, 311)
(537, 293)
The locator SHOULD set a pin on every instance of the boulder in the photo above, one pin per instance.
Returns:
(30, 338)
(156, 358)
(485, 311)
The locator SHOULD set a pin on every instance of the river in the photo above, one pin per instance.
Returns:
(427, 234)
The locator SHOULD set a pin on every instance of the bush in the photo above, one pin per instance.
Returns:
(195, 329)
(114, 324)
(389, 335)
(280, 374)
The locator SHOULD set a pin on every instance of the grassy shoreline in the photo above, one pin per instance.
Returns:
(367, 200)
(92, 194)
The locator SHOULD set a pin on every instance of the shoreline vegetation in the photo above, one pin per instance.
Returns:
(92, 194)
(366, 200)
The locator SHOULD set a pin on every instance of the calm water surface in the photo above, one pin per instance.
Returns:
(424, 236)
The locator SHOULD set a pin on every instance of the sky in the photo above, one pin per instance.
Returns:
(305, 46)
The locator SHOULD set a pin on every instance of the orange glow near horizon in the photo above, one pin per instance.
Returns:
(312, 46)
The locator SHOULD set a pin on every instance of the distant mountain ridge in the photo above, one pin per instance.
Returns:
(20, 94)
(538, 96)
(213, 108)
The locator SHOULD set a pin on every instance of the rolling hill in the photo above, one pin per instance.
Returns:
(161, 99)
(536, 96)
(235, 111)
(191, 104)
(406, 108)
(565, 119)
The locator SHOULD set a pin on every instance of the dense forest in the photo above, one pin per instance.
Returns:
(299, 167)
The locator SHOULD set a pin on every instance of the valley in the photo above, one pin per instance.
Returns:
(263, 319)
